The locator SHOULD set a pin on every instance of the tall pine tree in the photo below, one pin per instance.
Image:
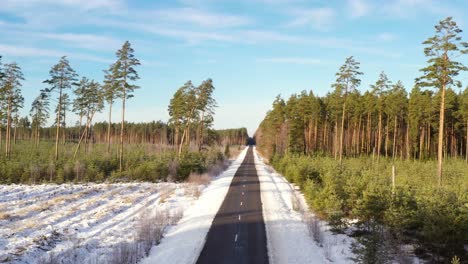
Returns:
(442, 49)
(10, 93)
(62, 77)
(346, 81)
(123, 71)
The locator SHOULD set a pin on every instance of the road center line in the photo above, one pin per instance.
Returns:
(239, 217)
(235, 239)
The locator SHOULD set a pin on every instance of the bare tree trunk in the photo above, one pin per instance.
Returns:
(407, 143)
(109, 128)
(369, 134)
(342, 130)
(440, 147)
(122, 133)
(200, 137)
(386, 137)
(84, 134)
(466, 149)
(57, 133)
(428, 140)
(394, 137)
(421, 143)
(14, 134)
(8, 130)
(335, 139)
(379, 139)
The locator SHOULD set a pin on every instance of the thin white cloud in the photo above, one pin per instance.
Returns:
(411, 8)
(358, 8)
(291, 60)
(318, 18)
(386, 37)
(21, 51)
(192, 16)
(87, 41)
(80, 4)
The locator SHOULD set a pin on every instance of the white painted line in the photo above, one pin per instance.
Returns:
(235, 239)
(241, 203)
(242, 193)
(239, 217)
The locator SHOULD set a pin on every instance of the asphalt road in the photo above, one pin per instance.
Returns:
(237, 234)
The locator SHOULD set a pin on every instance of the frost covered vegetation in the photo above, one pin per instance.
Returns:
(88, 223)
(342, 150)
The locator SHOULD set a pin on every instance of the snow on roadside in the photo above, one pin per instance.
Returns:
(288, 236)
(183, 243)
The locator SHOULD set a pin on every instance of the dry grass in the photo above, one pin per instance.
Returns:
(5, 216)
(165, 194)
(199, 179)
(129, 199)
(149, 232)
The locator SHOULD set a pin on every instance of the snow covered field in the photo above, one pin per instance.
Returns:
(81, 223)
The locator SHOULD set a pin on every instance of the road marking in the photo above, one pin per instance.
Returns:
(241, 203)
(239, 217)
(243, 185)
(242, 193)
(235, 239)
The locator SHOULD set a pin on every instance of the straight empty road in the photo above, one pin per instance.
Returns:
(237, 234)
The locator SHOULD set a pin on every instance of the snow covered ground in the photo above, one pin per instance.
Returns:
(183, 243)
(85, 223)
(290, 226)
(80, 223)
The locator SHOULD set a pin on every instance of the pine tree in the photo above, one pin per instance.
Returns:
(189, 106)
(39, 114)
(441, 50)
(346, 81)
(92, 102)
(78, 106)
(380, 89)
(110, 94)
(396, 107)
(62, 77)
(10, 93)
(206, 105)
(124, 72)
(177, 110)
(61, 109)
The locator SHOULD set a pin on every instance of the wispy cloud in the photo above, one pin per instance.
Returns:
(410, 8)
(87, 41)
(80, 4)
(291, 60)
(22, 51)
(318, 18)
(358, 8)
(385, 36)
(192, 16)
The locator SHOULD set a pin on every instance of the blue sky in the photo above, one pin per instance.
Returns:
(252, 49)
